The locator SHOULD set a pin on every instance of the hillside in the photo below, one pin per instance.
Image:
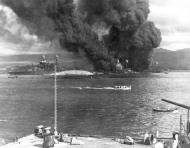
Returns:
(173, 60)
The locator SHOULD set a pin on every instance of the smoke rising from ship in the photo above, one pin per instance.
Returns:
(102, 30)
(130, 36)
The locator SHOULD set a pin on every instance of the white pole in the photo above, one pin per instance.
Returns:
(180, 127)
(55, 101)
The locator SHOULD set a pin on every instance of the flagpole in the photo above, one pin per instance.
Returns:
(55, 99)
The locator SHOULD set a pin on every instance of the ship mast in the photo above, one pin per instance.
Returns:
(183, 106)
(55, 98)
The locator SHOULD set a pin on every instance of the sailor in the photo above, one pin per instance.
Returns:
(146, 139)
(48, 138)
(151, 138)
(38, 131)
(176, 141)
(47, 131)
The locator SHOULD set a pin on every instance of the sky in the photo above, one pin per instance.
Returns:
(13, 33)
(172, 17)
(15, 38)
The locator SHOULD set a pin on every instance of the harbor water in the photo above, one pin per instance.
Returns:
(28, 101)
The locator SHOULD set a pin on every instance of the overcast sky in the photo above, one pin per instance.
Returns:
(172, 17)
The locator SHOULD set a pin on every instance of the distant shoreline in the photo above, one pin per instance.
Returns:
(179, 71)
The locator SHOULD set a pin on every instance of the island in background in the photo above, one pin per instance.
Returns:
(171, 60)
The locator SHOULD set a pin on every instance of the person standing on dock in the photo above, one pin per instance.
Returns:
(176, 141)
(146, 139)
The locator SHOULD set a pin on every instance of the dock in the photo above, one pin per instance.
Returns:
(32, 141)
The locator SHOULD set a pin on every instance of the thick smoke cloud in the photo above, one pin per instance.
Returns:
(125, 14)
(64, 23)
(142, 42)
(129, 35)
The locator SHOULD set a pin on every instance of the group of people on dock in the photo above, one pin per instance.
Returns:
(50, 138)
(149, 139)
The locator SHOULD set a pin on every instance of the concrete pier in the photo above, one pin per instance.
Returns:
(32, 141)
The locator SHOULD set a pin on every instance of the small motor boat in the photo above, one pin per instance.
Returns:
(164, 110)
(124, 87)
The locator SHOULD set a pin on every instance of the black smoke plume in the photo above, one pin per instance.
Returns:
(130, 36)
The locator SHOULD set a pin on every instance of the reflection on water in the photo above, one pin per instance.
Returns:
(27, 102)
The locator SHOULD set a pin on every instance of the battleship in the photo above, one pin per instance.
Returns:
(43, 67)
(46, 68)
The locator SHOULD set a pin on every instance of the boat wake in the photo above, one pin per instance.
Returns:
(3, 120)
(104, 88)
